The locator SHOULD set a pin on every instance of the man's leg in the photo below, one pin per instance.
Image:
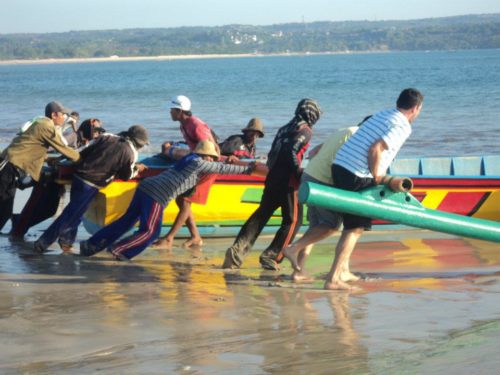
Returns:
(151, 217)
(113, 231)
(195, 239)
(291, 213)
(65, 226)
(294, 252)
(250, 231)
(343, 252)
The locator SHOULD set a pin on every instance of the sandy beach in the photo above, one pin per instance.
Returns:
(429, 304)
(168, 57)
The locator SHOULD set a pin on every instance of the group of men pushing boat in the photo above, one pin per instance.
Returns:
(351, 159)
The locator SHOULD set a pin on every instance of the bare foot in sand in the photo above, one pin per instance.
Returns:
(301, 277)
(193, 242)
(291, 255)
(339, 285)
(348, 276)
(163, 243)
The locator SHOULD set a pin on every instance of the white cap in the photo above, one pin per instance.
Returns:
(181, 102)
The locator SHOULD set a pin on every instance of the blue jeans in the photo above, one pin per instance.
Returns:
(66, 225)
(144, 209)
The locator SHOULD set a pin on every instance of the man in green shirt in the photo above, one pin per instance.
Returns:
(27, 153)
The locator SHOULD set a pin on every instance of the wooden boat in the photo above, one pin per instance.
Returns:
(464, 185)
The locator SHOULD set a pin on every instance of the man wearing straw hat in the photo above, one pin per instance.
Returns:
(150, 199)
(242, 146)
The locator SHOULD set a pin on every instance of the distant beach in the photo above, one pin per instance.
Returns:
(168, 57)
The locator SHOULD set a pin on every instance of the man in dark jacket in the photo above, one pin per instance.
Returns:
(280, 190)
(108, 157)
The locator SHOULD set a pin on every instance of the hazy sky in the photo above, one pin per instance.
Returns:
(18, 16)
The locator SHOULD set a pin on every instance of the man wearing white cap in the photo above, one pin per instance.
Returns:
(194, 131)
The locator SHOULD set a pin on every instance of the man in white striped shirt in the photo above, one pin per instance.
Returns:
(362, 162)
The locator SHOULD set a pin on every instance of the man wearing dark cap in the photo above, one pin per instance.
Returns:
(280, 190)
(27, 152)
(104, 159)
(243, 145)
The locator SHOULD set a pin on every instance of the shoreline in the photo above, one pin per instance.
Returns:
(172, 57)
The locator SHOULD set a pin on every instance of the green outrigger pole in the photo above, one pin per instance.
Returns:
(380, 202)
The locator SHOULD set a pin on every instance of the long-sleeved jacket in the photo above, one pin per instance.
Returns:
(183, 176)
(28, 150)
(235, 145)
(106, 158)
(285, 157)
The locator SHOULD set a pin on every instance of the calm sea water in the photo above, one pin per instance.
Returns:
(460, 115)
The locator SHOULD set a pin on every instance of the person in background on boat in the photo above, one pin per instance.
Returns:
(106, 158)
(70, 129)
(88, 130)
(242, 146)
(27, 152)
(361, 162)
(194, 131)
(280, 190)
(322, 222)
(46, 194)
(151, 197)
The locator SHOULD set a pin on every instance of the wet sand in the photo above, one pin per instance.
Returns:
(429, 304)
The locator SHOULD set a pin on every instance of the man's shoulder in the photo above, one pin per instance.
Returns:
(43, 123)
(193, 120)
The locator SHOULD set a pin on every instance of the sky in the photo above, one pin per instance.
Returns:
(42, 16)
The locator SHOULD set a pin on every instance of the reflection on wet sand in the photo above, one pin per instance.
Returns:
(178, 312)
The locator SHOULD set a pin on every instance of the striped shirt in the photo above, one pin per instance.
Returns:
(184, 175)
(391, 126)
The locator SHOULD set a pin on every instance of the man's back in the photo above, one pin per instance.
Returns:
(319, 166)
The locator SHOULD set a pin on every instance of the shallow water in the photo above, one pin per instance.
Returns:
(429, 304)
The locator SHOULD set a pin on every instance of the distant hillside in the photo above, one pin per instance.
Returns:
(450, 33)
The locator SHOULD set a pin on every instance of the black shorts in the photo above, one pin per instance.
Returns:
(346, 180)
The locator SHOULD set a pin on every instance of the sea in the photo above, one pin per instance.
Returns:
(459, 117)
(428, 302)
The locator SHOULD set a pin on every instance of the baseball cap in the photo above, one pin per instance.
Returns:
(181, 102)
(139, 135)
(56, 107)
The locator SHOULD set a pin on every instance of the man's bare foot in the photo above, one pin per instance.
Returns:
(301, 277)
(163, 243)
(349, 276)
(291, 255)
(193, 242)
(339, 285)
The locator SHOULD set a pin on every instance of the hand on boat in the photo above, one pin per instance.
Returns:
(141, 167)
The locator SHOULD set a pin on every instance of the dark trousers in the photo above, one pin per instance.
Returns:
(144, 209)
(291, 212)
(8, 185)
(41, 205)
(65, 227)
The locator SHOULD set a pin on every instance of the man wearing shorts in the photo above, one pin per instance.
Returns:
(322, 222)
(362, 162)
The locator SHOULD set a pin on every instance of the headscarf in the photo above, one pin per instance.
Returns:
(308, 110)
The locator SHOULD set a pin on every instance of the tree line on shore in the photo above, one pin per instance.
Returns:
(447, 33)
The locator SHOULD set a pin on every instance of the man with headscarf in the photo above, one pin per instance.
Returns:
(104, 159)
(280, 190)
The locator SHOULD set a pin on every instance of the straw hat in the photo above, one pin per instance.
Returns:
(206, 148)
(255, 125)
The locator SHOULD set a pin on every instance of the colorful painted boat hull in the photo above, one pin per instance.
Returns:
(232, 199)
